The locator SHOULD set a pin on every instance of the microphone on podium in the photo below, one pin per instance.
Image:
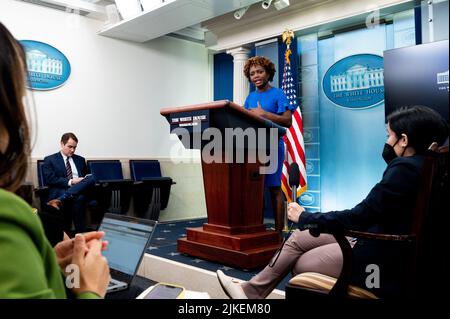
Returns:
(294, 182)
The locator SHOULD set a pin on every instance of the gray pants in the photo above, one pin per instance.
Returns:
(301, 253)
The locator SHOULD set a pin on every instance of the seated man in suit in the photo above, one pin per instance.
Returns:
(65, 174)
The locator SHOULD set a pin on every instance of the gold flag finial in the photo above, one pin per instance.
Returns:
(287, 37)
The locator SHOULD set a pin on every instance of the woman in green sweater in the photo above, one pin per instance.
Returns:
(29, 266)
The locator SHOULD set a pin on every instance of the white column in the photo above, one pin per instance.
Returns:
(240, 82)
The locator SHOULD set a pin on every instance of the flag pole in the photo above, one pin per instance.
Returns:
(287, 36)
(285, 203)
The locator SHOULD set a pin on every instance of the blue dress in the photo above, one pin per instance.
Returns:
(275, 101)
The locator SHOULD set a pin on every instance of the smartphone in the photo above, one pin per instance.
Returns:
(165, 291)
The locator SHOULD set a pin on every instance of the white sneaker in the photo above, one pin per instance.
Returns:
(230, 286)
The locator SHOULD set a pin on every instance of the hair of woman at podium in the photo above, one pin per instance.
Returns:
(262, 61)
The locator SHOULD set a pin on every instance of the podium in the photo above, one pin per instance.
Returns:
(234, 234)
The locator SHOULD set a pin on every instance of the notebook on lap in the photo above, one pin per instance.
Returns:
(128, 238)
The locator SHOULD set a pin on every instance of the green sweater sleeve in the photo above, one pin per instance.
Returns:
(24, 275)
(22, 272)
(28, 265)
(88, 295)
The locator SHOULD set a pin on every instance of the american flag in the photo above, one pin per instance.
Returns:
(293, 140)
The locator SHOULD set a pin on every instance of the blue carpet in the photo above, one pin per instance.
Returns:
(164, 244)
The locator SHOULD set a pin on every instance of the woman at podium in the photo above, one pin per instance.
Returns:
(270, 103)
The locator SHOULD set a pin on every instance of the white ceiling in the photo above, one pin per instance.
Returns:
(171, 17)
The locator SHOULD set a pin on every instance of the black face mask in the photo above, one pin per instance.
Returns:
(389, 153)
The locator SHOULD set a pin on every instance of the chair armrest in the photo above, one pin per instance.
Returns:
(113, 182)
(388, 237)
(157, 179)
(152, 182)
(40, 190)
(116, 181)
(340, 287)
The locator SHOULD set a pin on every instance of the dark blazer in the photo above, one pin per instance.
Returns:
(54, 171)
(388, 208)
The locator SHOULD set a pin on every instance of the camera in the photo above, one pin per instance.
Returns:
(240, 13)
(266, 4)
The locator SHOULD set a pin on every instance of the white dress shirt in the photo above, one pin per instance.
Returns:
(72, 166)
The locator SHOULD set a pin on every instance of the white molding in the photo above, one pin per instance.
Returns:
(193, 32)
(266, 42)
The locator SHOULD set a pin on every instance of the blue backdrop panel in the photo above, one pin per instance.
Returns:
(223, 77)
(351, 139)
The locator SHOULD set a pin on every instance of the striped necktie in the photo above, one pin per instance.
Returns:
(68, 169)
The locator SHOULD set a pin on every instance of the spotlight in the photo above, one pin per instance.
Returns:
(240, 13)
(281, 4)
(266, 4)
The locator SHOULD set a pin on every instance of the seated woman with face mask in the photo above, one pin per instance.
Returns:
(387, 209)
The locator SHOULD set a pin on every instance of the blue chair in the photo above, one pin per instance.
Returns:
(151, 190)
(42, 190)
(52, 223)
(113, 190)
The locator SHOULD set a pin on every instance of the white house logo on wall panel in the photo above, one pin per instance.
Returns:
(48, 68)
(309, 167)
(442, 80)
(355, 82)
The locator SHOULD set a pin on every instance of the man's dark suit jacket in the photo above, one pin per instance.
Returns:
(55, 176)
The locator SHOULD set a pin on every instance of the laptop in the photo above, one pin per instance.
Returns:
(128, 237)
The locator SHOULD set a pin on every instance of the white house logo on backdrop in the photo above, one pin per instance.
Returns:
(356, 81)
(47, 67)
(442, 80)
(307, 199)
(309, 167)
(307, 135)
